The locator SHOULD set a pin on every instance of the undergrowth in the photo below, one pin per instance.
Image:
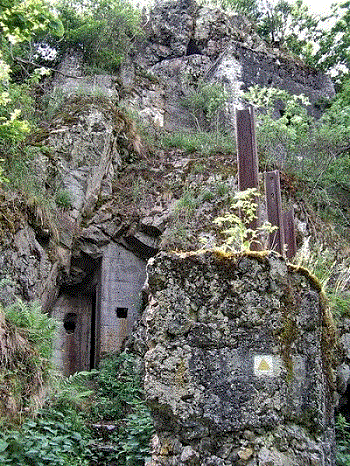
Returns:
(332, 274)
(342, 430)
(201, 142)
(26, 337)
(65, 431)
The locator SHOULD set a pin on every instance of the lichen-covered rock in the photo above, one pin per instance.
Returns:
(237, 366)
(187, 43)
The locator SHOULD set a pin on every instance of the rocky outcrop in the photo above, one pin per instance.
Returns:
(237, 368)
(186, 43)
(183, 44)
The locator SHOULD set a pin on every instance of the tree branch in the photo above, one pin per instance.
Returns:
(26, 62)
(346, 149)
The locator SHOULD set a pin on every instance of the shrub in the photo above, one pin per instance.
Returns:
(103, 30)
(205, 101)
(62, 433)
(316, 151)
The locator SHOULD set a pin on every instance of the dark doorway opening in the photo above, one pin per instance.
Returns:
(93, 337)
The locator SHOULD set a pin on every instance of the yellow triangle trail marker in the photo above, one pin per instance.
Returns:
(263, 366)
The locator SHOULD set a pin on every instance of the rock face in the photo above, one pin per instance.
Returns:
(237, 368)
(186, 43)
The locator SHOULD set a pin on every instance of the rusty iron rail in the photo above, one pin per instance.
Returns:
(274, 210)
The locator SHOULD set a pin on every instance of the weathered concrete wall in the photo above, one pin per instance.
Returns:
(237, 367)
(123, 275)
(73, 340)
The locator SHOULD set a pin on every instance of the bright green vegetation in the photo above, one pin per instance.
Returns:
(65, 430)
(332, 274)
(240, 236)
(316, 152)
(64, 199)
(26, 349)
(295, 29)
(204, 102)
(342, 429)
(203, 143)
(103, 30)
(51, 420)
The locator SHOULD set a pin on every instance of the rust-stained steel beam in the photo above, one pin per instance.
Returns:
(289, 233)
(274, 210)
(247, 155)
(247, 159)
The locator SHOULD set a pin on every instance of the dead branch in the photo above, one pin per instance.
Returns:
(27, 62)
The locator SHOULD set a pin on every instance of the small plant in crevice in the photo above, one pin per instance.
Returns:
(240, 236)
(64, 199)
(186, 205)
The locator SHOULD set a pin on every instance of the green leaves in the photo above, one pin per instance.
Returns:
(239, 234)
(207, 99)
(103, 30)
(39, 328)
(20, 20)
(343, 441)
(334, 44)
(52, 439)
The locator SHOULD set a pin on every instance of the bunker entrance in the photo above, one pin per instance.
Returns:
(77, 311)
(98, 305)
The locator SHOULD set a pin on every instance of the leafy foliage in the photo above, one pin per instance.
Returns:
(38, 328)
(249, 8)
(205, 101)
(25, 352)
(20, 19)
(102, 30)
(316, 151)
(53, 438)
(12, 129)
(332, 274)
(334, 43)
(342, 427)
(62, 433)
(119, 386)
(292, 26)
(240, 235)
(136, 440)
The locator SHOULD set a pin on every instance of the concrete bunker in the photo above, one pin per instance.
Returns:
(99, 303)
(239, 370)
